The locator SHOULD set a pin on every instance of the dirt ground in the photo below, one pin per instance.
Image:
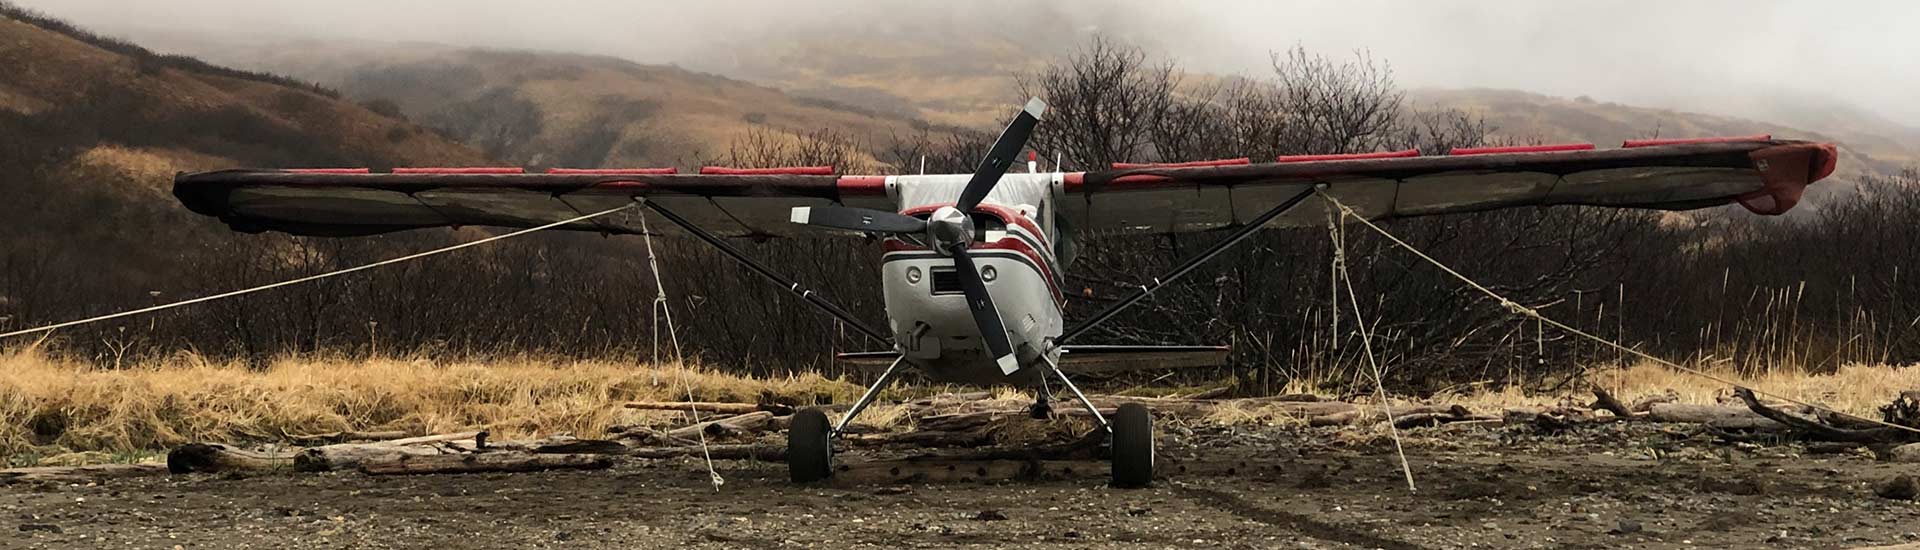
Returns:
(1617, 486)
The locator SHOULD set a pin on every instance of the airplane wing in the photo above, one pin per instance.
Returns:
(349, 202)
(1765, 175)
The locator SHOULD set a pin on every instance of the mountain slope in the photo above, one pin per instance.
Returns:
(92, 131)
(557, 109)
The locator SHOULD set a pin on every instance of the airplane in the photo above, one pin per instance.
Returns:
(973, 264)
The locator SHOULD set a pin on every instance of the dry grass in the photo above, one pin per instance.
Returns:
(50, 405)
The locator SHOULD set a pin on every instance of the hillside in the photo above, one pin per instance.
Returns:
(92, 131)
(557, 109)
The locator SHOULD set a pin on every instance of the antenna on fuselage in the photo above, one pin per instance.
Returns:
(1033, 162)
(923, 165)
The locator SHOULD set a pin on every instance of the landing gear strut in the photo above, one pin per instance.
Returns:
(1130, 432)
(810, 441)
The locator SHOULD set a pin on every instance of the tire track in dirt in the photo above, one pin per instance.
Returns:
(1290, 521)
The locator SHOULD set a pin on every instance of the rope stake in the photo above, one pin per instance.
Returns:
(1518, 309)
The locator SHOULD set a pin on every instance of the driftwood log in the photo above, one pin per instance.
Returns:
(727, 426)
(348, 456)
(492, 461)
(1717, 416)
(214, 457)
(1815, 429)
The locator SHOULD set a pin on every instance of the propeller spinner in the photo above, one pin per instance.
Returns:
(949, 230)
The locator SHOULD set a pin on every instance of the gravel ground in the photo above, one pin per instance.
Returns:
(1597, 487)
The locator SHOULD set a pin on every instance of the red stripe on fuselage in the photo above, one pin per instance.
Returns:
(1010, 242)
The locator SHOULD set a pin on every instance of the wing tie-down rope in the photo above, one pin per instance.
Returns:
(1517, 309)
(660, 309)
(311, 278)
(1342, 278)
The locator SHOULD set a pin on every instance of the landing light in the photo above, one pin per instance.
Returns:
(988, 274)
(913, 275)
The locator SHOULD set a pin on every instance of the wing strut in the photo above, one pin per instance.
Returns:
(805, 293)
(1241, 234)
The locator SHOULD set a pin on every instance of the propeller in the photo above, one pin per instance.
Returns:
(950, 229)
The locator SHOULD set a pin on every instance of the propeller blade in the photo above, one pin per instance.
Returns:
(857, 219)
(985, 315)
(1001, 155)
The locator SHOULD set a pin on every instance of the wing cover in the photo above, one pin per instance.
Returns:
(1764, 175)
(1767, 176)
(338, 203)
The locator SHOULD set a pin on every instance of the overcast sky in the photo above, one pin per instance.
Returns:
(1662, 53)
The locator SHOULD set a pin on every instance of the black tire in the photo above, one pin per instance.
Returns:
(1132, 446)
(809, 447)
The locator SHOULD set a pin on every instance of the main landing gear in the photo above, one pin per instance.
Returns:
(810, 440)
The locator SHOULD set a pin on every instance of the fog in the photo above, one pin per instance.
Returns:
(1732, 57)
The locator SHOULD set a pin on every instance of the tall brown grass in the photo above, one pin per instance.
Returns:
(49, 404)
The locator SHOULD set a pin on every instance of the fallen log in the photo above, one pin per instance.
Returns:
(456, 436)
(1371, 415)
(310, 440)
(1453, 414)
(1904, 453)
(1603, 401)
(1716, 416)
(1214, 393)
(495, 461)
(713, 407)
(1815, 429)
(1645, 404)
(347, 456)
(215, 457)
(78, 474)
(727, 426)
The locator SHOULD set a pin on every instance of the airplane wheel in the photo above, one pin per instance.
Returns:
(1132, 446)
(809, 447)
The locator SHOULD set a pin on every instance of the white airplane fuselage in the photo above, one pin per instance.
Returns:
(1014, 248)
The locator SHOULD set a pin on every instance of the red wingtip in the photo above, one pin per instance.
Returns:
(1785, 173)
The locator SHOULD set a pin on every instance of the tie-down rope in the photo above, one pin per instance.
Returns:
(1518, 309)
(662, 309)
(1337, 234)
(311, 278)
